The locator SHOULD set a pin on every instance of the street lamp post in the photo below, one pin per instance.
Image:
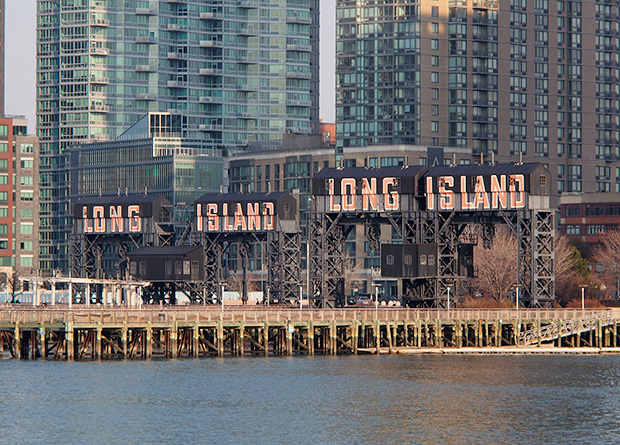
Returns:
(517, 290)
(583, 297)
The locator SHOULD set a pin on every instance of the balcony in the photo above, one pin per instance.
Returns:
(150, 68)
(210, 16)
(99, 80)
(101, 23)
(299, 75)
(304, 48)
(176, 55)
(145, 39)
(300, 20)
(210, 127)
(209, 43)
(177, 84)
(143, 96)
(146, 11)
(99, 108)
(206, 71)
(248, 4)
(175, 27)
(205, 99)
(99, 51)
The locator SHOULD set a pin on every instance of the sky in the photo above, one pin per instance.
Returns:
(20, 56)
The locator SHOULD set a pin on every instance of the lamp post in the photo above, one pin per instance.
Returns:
(583, 297)
(517, 290)
(222, 295)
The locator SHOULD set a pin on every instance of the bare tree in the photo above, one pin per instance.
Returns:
(496, 267)
(571, 269)
(351, 271)
(12, 284)
(607, 254)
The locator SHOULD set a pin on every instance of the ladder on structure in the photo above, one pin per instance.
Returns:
(566, 328)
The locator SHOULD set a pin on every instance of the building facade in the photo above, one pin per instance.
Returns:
(19, 203)
(536, 80)
(149, 158)
(2, 69)
(586, 217)
(238, 72)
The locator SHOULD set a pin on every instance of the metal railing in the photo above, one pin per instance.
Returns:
(564, 320)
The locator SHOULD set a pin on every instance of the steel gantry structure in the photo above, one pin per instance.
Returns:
(108, 228)
(439, 207)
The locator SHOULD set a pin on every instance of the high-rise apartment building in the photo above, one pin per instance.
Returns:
(19, 204)
(537, 79)
(2, 74)
(239, 72)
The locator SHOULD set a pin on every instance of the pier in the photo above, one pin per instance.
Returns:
(96, 333)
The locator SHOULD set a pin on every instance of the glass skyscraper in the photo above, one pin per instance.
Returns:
(239, 72)
(535, 79)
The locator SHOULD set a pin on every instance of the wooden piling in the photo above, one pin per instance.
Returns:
(69, 334)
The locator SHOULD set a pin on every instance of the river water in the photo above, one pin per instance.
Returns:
(357, 399)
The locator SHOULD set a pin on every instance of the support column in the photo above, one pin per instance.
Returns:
(377, 332)
(354, 334)
(289, 339)
(220, 339)
(390, 339)
(124, 339)
(174, 339)
(42, 342)
(196, 341)
(242, 340)
(98, 341)
(149, 341)
(310, 338)
(70, 340)
(599, 334)
(266, 338)
(333, 338)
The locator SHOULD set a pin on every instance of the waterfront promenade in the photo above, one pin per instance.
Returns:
(97, 332)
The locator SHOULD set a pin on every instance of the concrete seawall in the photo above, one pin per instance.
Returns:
(197, 331)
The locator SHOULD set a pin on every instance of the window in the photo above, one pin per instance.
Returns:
(423, 260)
(435, 126)
(26, 245)
(434, 44)
(26, 180)
(26, 229)
(435, 11)
(4, 130)
(435, 28)
(26, 213)
(25, 196)
(4, 228)
(4, 212)
(26, 148)
(4, 147)
(27, 163)
(26, 261)
(435, 93)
